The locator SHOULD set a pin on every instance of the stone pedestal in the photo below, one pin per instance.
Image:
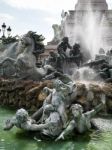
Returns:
(48, 48)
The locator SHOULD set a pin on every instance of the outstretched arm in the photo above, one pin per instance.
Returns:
(37, 115)
(8, 125)
(93, 112)
(67, 131)
(35, 127)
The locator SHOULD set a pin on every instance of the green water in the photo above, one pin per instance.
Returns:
(17, 140)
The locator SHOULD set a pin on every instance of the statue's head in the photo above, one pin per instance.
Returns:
(77, 110)
(57, 84)
(26, 41)
(22, 115)
(65, 40)
(76, 46)
(61, 87)
(33, 39)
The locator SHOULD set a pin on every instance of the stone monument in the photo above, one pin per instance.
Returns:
(90, 24)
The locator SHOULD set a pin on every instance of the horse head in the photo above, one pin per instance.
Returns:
(33, 41)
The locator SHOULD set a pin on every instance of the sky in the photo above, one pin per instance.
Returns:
(34, 15)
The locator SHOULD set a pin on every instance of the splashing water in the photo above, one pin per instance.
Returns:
(89, 26)
(10, 51)
(91, 33)
(84, 74)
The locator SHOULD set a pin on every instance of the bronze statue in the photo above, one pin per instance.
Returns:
(76, 55)
(62, 47)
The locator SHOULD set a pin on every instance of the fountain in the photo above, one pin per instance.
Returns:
(59, 95)
(61, 103)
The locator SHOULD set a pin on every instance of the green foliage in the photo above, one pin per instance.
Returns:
(9, 40)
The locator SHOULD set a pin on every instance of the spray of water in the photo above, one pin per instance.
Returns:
(84, 74)
(91, 27)
(90, 31)
(9, 52)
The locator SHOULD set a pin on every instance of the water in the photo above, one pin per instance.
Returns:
(19, 140)
(84, 74)
(10, 51)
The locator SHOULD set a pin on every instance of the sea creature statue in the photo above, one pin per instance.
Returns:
(22, 64)
(81, 122)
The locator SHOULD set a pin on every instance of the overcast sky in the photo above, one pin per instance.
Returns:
(35, 15)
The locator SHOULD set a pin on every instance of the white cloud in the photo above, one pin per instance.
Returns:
(48, 5)
(4, 16)
(50, 20)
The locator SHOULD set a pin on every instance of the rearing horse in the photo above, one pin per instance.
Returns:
(24, 65)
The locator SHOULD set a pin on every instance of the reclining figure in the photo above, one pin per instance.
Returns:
(51, 126)
(81, 122)
(23, 121)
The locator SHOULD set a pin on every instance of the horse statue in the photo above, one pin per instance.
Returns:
(20, 62)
